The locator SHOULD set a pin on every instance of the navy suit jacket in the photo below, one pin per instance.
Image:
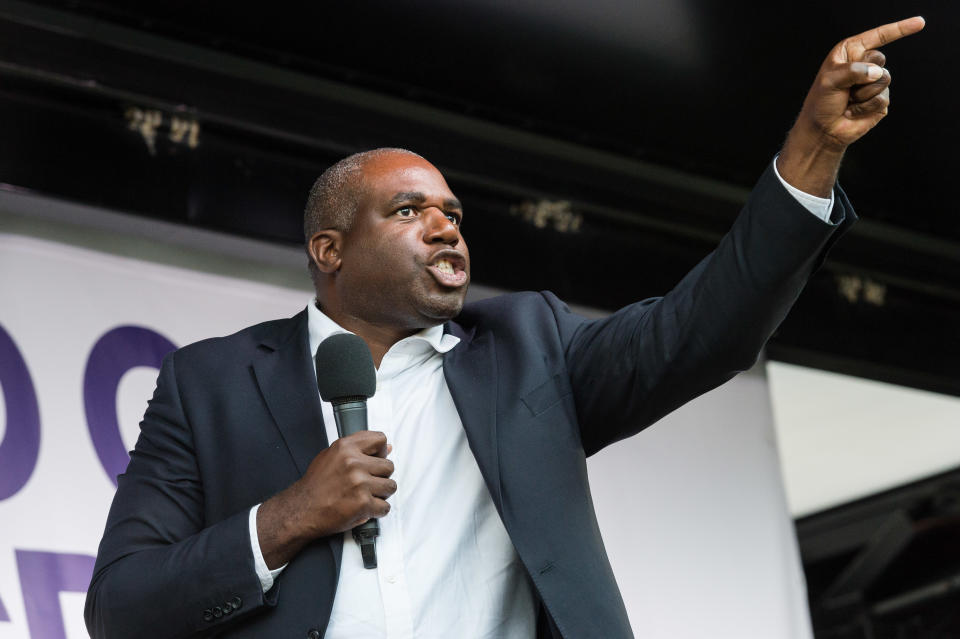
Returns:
(234, 420)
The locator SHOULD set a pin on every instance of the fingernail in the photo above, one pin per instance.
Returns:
(874, 72)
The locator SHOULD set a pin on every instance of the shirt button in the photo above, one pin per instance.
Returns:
(391, 579)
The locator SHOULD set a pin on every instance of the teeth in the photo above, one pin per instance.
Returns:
(445, 267)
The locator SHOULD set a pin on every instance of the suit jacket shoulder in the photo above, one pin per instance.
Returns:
(239, 347)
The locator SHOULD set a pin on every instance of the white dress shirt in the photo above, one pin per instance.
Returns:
(822, 207)
(446, 566)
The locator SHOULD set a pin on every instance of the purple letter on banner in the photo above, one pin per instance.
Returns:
(116, 352)
(21, 443)
(3, 612)
(43, 576)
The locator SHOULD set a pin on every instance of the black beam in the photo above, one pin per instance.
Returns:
(884, 545)
(103, 114)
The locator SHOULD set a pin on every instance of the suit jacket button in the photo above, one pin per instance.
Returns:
(217, 612)
(227, 608)
(236, 602)
(208, 615)
(313, 634)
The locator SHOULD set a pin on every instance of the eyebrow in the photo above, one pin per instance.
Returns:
(418, 197)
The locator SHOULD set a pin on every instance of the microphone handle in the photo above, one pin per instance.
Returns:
(350, 414)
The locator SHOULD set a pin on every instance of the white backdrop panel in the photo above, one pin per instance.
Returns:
(694, 517)
(692, 510)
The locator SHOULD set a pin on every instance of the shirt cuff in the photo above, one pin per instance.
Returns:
(820, 206)
(265, 575)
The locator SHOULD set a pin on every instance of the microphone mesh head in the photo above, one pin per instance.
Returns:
(345, 368)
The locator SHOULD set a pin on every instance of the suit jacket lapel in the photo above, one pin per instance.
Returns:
(287, 380)
(470, 369)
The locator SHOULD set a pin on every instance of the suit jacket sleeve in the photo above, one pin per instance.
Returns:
(161, 571)
(632, 368)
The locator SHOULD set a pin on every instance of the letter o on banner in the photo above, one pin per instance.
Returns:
(21, 442)
(116, 352)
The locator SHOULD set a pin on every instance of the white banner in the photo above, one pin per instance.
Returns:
(692, 512)
(81, 335)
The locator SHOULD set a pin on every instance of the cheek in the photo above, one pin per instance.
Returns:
(391, 263)
(383, 265)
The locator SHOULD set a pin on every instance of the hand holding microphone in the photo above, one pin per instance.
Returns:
(346, 485)
(346, 378)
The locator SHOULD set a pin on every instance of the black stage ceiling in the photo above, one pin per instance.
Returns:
(601, 148)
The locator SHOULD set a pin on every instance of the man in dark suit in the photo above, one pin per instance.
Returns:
(230, 517)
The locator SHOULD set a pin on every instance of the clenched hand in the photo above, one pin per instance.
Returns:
(849, 96)
(344, 486)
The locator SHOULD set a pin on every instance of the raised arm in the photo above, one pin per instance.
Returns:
(647, 359)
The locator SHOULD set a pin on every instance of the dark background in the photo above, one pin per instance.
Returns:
(601, 149)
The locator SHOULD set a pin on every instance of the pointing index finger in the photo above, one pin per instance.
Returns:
(888, 33)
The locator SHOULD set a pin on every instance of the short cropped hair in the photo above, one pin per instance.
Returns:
(334, 197)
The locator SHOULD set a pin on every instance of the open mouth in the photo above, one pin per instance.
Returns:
(449, 268)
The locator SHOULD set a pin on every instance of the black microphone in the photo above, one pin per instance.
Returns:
(346, 378)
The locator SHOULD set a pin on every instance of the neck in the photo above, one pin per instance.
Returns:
(379, 337)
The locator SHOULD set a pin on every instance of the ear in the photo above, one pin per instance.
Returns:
(325, 249)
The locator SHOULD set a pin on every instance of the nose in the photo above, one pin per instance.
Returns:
(438, 228)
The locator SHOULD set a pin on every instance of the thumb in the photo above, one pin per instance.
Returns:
(851, 74)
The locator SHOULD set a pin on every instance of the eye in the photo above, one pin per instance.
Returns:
(454, 217)
(406, 211)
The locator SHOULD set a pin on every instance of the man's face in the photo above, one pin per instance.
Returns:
(404, 262)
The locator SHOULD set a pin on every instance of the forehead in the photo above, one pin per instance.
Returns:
(386, 176)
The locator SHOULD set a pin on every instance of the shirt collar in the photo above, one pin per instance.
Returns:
(321, 327)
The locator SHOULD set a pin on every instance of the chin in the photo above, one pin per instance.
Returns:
(442, 308)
